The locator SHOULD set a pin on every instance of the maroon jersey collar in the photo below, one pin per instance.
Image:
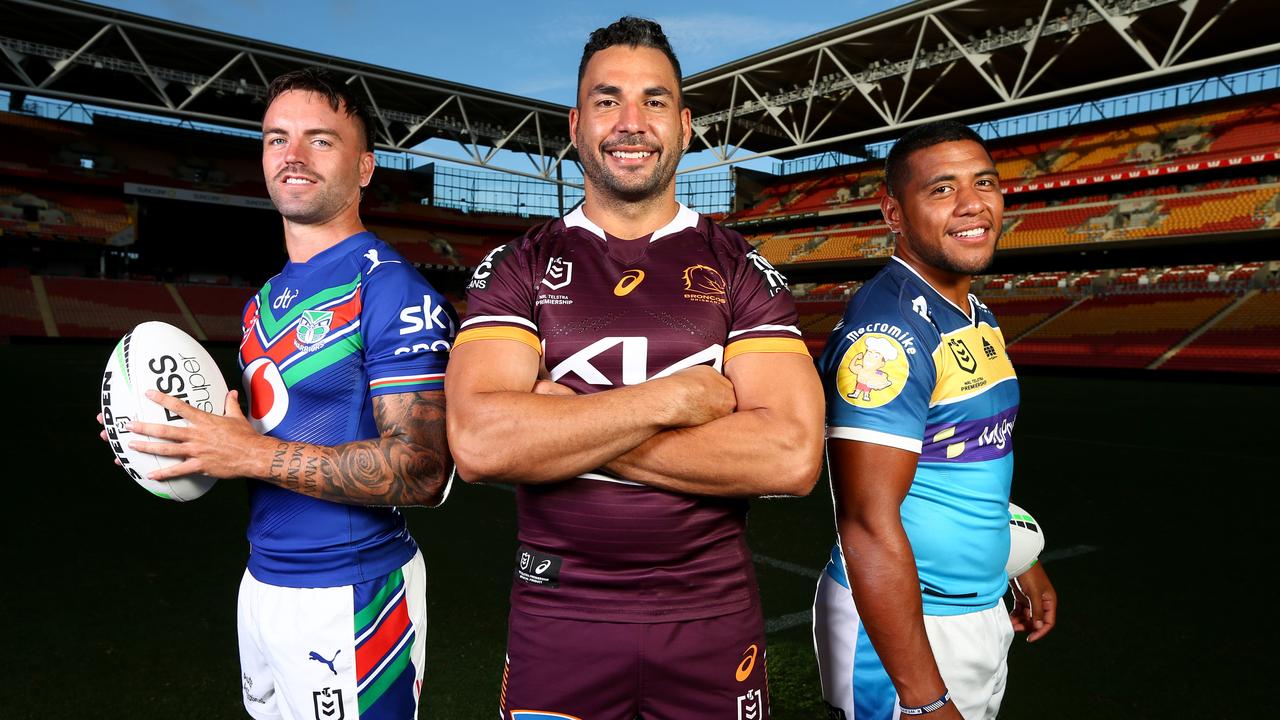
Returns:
(684, 219)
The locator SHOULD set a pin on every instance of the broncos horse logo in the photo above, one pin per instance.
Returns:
(705, 284)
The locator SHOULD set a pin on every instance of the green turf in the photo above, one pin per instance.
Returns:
(121, 605)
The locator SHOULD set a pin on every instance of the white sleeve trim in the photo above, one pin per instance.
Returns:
(766, 328)
(499, 318)
(875, 437)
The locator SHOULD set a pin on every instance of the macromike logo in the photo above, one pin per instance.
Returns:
(705, 284)
(629, 281)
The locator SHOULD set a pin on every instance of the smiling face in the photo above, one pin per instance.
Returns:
(313, 158)
(948, 211)
(629, 127)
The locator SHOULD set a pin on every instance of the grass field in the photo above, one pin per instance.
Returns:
(1155, 494)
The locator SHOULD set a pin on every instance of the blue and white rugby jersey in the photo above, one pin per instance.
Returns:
(909, 369)
(321, 340)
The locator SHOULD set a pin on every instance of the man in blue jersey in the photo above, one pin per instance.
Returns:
(921, 403)
(343, 355)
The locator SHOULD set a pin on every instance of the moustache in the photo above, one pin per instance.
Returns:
(630, 141)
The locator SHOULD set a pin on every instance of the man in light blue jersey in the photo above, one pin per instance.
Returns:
(921, 404)
(343, 356)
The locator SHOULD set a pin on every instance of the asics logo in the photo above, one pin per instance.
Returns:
(748, 663)
(629, 281)
(319, 658)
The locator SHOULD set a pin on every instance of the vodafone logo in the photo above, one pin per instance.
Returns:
(268, 396)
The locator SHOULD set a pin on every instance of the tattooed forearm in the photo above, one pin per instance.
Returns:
(408, 465)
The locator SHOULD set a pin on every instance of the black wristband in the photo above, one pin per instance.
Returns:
(925, 709)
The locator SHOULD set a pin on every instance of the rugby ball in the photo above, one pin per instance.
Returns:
(158, 356)
(1026, 540)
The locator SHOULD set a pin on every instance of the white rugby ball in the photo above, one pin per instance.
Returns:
(158, 356)
(1026, 540)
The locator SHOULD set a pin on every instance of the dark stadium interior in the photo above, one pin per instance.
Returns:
(1137, 283)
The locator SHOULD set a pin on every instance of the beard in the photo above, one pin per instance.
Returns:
(935, 256)
(323, 202)
(632, 186)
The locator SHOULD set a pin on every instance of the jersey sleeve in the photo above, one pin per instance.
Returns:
(878, 374)
(407, 328)
(763, 313)
(500, 299)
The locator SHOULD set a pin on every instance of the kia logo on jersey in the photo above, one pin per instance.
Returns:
(268, 396)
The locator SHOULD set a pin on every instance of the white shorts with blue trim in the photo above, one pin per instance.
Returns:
(353, 652)
(970, 650)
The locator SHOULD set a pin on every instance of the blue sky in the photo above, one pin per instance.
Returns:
(526, 48)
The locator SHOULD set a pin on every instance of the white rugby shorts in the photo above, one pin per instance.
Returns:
(354, 652)
(970, 650)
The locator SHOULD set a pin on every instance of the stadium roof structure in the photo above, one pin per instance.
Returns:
(101, 56)
(971, 60)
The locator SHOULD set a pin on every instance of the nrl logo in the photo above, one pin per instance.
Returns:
(312, 327)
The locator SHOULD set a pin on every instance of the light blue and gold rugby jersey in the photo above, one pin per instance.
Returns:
(909, 369)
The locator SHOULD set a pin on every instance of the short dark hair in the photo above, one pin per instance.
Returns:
(633, 32)
(323, 82)
(919, 138)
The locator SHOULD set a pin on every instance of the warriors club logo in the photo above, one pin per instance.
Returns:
(705, 284)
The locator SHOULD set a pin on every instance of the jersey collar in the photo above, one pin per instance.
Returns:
(971, 315)
(684, 219)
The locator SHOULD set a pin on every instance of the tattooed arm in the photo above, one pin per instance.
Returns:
(409, 464)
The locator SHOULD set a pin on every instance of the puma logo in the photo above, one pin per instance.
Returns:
(372, 256)
(318, 657)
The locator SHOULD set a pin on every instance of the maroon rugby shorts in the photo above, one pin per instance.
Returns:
(704, 669)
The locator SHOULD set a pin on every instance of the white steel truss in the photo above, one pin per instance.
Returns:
(194, 84)
(940, 59)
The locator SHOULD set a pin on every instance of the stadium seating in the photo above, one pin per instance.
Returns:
(1019, 313)
(1186, 135)
(19, 313)
(1122, 330)
(86, 307)
(1246, 340)
(217, 308)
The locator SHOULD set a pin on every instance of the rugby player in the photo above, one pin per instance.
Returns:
(343, 355)
(921, 403)
(588, 373)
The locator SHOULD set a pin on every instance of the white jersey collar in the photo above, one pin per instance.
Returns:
(971, 315)
(684, 219)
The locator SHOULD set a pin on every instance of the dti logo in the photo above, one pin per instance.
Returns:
(268, 396)
(284, 300)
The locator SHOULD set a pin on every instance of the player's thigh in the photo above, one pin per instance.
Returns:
(971, 652)
(708, 668)
(257, 683)
(855, 683)
(354, 651)
(569, 669)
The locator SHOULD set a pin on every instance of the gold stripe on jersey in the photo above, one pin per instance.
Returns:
(965, 366)
(765, 345)
(499, 333)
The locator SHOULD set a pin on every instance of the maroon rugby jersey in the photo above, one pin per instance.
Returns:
(605, 312)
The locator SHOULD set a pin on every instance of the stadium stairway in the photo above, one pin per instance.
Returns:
(1206, 327)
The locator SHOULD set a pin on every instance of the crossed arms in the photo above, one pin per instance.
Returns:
(755, 430)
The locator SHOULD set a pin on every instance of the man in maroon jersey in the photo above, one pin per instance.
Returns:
(589, 373)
